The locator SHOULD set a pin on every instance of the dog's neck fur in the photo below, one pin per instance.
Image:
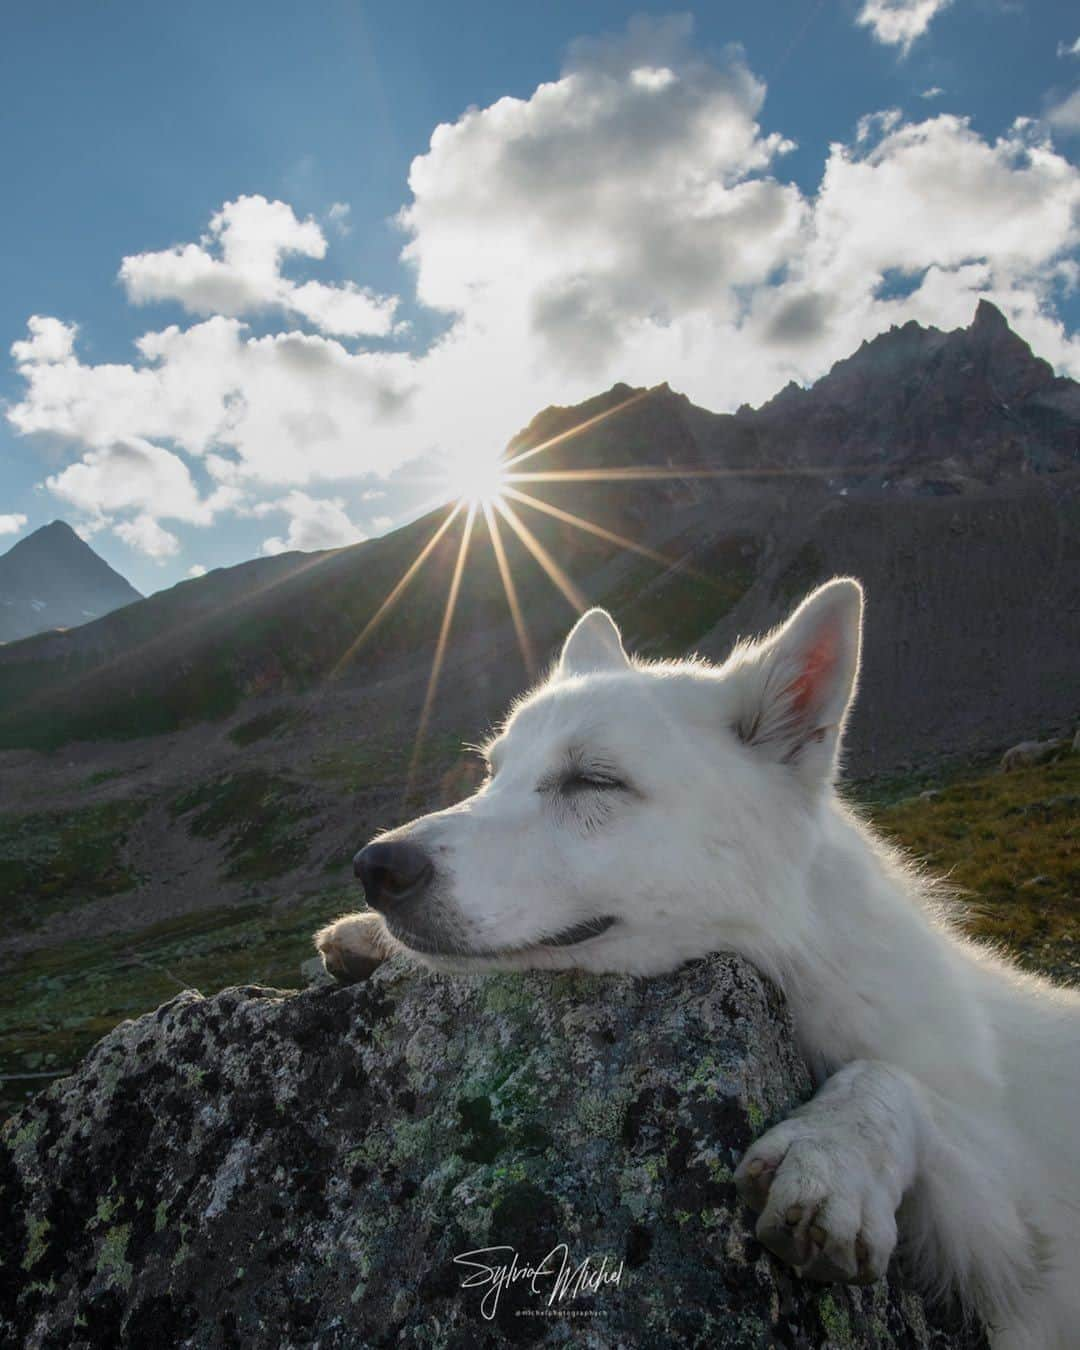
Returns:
(875, 974)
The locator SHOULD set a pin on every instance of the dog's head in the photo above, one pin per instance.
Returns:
(635, 814)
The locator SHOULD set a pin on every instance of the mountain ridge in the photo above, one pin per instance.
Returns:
(904, 464)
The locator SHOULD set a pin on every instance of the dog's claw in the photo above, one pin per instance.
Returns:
(820, 1207)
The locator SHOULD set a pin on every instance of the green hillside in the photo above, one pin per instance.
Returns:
(1010, 841)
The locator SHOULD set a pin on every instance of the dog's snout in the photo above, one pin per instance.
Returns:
(392, 872)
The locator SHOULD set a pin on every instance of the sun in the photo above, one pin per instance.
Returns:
(479, 482)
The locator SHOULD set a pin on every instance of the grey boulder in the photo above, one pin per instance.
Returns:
(264, 1168)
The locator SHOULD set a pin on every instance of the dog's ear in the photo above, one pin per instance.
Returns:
(593, 644)
(796, 685)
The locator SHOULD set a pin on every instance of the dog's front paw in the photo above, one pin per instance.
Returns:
(824, 1208)
(353, 947)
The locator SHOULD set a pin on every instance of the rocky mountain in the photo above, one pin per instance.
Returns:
(54, 579)
(931, 411)
(265, 1168)
(941, 468)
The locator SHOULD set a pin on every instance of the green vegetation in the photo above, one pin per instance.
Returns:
(1009, 842)
(51, 860)
(667, 609)
(374, 763)
(57, 1001)
(108, 775)
(87, 708)
(257, 814)
(272, 723)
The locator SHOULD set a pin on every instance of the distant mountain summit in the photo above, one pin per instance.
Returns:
(963, 408)
(54, 579)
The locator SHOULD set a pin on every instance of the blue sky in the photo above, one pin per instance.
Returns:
(659, 201)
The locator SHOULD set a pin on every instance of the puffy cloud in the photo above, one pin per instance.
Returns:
(1069, 48)
(135, 475)
(314, 523)
(942, 195)
(196, 570)
(630, 187)
(145, 535)
(573, 256)
(277, 409)
(50, 340)
(13, 523)
(899, 22)
(253, 236)
(1064, 115)
(935, 91)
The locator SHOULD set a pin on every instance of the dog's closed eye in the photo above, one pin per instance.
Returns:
(585, 780)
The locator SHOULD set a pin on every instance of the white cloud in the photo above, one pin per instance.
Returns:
(574, 256)
(253, 236)
(942, 195)
(13, 523)
(196, 570)
(340, 216)
(145, 535)
(135, 475)
(50, 341)
(935, 91)
(627, 221)
(314, 523)
(285, 408)
(634, 186)
(899, 22)
(1069, 48)
(382, 523)
(1064, 115)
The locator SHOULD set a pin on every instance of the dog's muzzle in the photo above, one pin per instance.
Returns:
(393, 874)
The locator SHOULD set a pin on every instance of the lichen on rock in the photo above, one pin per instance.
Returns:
(268, 1168)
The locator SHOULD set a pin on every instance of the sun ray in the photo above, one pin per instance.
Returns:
(649, 475)
(580, 523)
(578, 428)
(542, 556)
(511, 590)
(392, 599)
(440, 649)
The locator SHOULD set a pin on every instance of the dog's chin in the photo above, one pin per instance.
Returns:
(444, 946)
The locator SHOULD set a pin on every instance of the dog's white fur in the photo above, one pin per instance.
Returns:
(695, 806)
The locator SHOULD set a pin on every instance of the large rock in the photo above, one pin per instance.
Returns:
(273, 1169)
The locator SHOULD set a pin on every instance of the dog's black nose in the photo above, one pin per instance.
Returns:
(392, 872)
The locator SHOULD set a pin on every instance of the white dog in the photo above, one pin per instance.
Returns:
(637, 815)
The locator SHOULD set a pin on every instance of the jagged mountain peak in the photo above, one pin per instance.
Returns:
(989, 319)
(972, 401)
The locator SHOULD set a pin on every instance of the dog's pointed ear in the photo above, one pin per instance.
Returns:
(593, 644)
(796, 686)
